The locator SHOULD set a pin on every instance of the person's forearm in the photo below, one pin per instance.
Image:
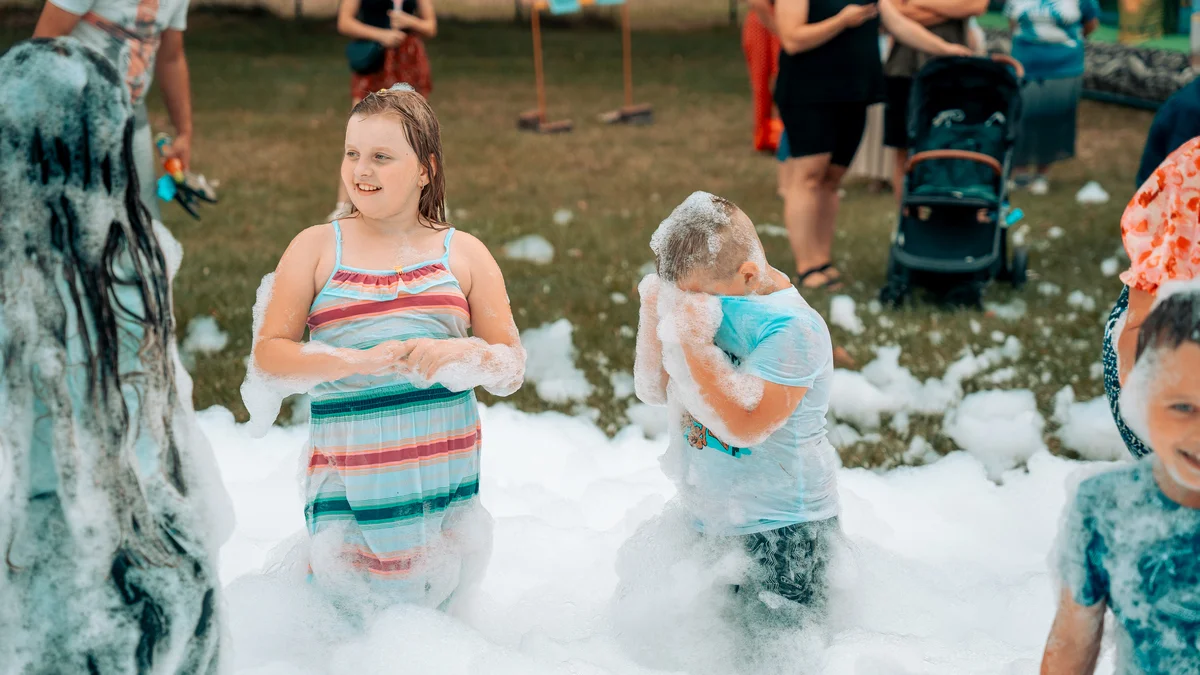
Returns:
(808, 36)
(923, 16)
(910, 32)
(355, 29)
(173, 79)
(952, 9)
(715, 378)
(424, 27)
(766, 14)
(291, 360)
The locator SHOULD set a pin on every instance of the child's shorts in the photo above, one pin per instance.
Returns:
(791, 564)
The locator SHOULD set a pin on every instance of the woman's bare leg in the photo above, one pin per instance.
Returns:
(803, 206)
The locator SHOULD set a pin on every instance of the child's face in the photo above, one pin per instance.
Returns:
(380, 170)
(1173, 413)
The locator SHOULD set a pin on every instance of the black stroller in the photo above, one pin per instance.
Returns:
(952, 235)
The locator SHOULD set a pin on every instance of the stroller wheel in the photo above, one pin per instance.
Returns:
(1019, 272)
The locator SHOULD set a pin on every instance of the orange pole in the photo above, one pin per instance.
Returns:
(537, 64)
(627, 41)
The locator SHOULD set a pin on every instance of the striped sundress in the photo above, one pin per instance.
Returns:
(393, 469)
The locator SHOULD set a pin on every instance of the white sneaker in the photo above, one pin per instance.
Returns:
(1039, 186)
(340, 211)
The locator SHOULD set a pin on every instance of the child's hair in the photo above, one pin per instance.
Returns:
(700, 234)
(424, 135)
(1174, 320)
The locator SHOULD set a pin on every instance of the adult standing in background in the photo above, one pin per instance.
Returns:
(1048, 38)
(948, 20)
(1175, 123)
(401, 27)
(143, 39)
(760, 44)
(829, 73)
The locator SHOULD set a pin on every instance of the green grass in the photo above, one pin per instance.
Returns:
(270, 106)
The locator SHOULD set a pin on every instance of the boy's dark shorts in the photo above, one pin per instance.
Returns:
(792, 563)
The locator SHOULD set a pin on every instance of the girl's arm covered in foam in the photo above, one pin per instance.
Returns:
(278, 351)
(494, 358)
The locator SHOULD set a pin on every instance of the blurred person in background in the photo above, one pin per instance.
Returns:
(760, 44)
(1175, 123)
(829, 74)
(948, 19)
(400, 27)
(143, 39)
(1048, 38)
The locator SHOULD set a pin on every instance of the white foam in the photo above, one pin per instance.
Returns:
(1110, 267)
(204, 336)
(1091, 193)
(532, 248)
(944, 572)
(1088, 427)
(551, 365)
(843, 313)
(563, 217)
(1003, 429)
(1015, 310)
(1081, 301)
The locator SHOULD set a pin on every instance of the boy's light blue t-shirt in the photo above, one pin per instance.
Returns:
(1125, 543)
(791, 477)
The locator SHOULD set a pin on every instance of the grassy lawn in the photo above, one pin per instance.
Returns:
(270, 106)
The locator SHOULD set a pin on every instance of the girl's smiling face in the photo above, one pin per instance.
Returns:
(380, 169)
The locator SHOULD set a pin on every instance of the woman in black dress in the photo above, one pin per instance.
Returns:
(829, 73)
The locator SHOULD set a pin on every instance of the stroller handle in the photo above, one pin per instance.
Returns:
(1012, 63)
(954, 154)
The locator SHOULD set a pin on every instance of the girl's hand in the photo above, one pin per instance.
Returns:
(401, 20)
(392, 38)
(425, 356)
(853, 16)
(382, 358)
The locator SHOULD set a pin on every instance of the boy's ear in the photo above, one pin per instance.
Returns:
(749, 270)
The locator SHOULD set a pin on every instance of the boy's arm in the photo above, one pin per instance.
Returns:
(1074, 643)
(712, 374)
(649, 377)
(171, 71)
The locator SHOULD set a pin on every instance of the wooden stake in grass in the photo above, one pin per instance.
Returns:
(535, 120)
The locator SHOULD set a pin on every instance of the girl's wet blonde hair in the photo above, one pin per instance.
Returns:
(424, 135)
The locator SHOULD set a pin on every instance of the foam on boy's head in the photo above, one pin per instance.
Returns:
(705, 234)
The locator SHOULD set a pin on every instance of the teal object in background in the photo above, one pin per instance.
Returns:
(601, 3)
(166, 188)
(564, 6)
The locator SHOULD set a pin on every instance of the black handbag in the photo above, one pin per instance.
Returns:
(365, 56)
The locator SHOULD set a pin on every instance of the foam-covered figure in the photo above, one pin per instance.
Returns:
(745, 366)
(111, 509)
(406, 316)
(1130, 537)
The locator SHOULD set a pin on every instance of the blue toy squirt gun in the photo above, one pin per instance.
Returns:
(178, 185)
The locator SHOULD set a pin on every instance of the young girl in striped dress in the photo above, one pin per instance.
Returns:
(390, 296)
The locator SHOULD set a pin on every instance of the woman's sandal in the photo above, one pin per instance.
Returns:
(832, 283)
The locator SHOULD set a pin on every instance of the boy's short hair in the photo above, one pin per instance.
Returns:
(1174, 320)
(700, 234)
